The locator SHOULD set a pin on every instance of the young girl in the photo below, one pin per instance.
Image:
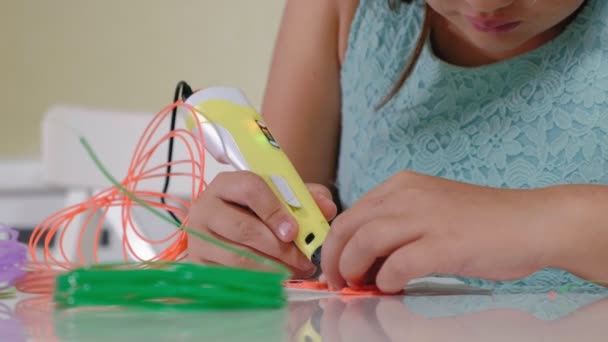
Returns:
(464, 137)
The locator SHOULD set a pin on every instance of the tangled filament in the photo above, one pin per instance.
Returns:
(56, 226)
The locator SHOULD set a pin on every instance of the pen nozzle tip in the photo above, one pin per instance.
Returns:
(316, 257)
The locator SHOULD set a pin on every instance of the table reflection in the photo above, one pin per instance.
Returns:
(40, 320)
(573, 316)
(11, 328)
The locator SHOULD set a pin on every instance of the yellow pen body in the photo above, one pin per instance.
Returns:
(235, 133)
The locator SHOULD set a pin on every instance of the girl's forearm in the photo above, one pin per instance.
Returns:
(578, 242)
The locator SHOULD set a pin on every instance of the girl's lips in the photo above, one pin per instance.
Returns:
(493, 25)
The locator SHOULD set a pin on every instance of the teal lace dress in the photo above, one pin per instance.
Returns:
(533, 121)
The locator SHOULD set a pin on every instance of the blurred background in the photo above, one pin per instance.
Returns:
(126, 55)
(115, 56)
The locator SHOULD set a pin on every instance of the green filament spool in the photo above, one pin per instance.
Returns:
(170, 285)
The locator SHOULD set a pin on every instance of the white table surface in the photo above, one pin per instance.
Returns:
(576, 317)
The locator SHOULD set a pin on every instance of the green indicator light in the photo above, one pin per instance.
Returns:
(261, 138)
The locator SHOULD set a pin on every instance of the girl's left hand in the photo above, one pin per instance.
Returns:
(415, 225)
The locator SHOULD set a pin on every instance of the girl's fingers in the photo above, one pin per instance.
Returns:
(412, 261)
(375, 240)
(251, 191)
(243, 228)
(212, 254)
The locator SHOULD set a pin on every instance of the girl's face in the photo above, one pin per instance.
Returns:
(499, 26)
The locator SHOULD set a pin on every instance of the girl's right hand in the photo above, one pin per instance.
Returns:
(240, 208)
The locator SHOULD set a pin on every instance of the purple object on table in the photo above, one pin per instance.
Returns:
(13, 256)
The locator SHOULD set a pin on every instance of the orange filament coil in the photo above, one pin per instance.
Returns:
(176, 241)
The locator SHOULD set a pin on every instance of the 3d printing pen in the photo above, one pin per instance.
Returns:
(235, 134)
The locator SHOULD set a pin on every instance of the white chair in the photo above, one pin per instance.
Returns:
(113, 135)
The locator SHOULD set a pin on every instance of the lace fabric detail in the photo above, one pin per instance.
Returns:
(535, 120)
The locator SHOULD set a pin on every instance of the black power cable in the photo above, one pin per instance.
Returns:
(184, 91)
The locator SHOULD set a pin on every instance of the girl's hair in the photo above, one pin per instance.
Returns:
(426, 27)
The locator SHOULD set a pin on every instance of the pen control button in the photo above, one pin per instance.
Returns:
(285, 190)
